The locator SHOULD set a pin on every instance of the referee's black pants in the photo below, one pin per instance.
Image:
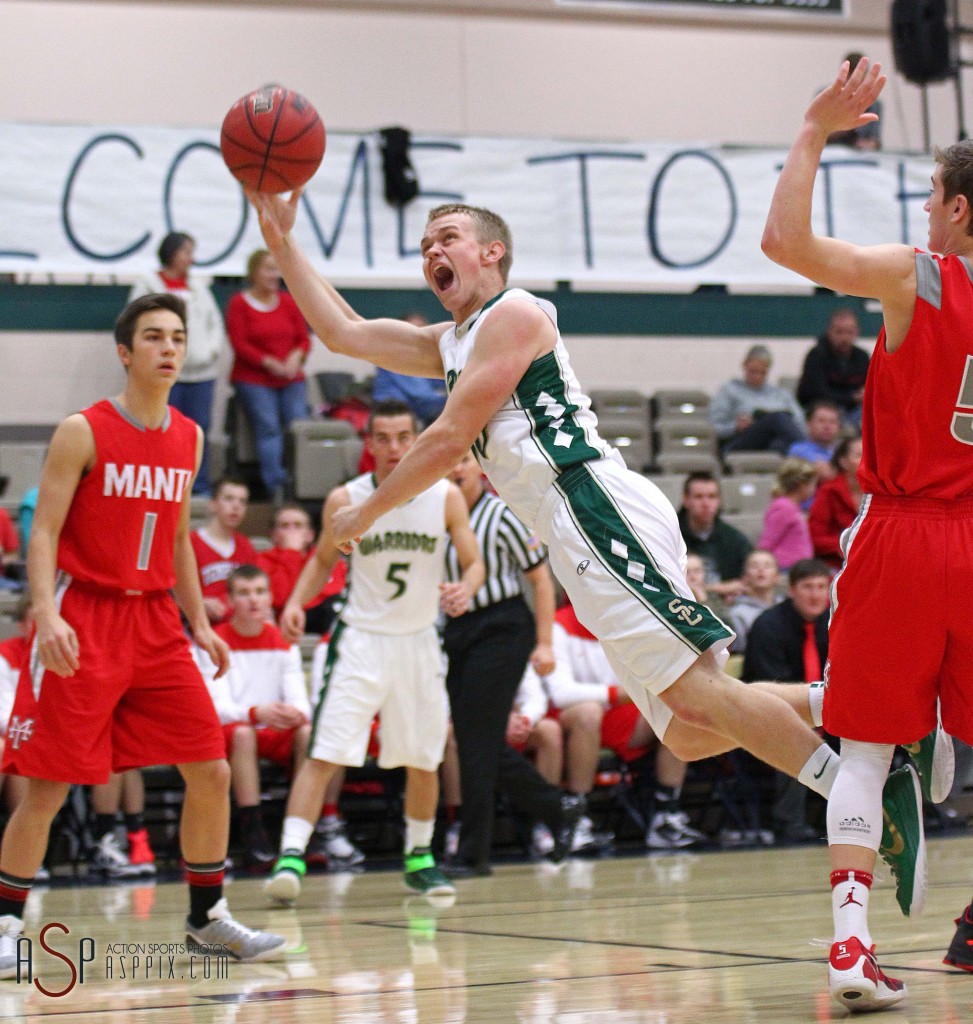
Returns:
(488, 651)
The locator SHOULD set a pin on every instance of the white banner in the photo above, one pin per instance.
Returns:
(98, 200)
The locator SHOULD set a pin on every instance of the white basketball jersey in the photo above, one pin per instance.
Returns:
(544, 428)
(395, 571)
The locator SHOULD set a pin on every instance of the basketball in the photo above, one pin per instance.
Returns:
(272, 140)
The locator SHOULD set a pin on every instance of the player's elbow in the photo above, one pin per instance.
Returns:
(772, 243)
(452, 440)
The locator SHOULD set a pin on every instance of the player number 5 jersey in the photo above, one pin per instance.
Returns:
(395, 571)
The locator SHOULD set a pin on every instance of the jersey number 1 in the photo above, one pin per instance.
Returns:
(145, 544)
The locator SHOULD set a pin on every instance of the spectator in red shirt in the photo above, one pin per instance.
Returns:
(219, 548)
(9, 549)
(293, 539)
(836, 503)
(270, 343)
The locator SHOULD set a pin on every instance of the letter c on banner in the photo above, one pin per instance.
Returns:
(167, 201)
(66, 200)
(654, 210)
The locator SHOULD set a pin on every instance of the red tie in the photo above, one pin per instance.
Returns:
(812, 660)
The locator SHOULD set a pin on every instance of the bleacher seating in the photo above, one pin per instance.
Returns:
(322, 455)
(752, 462)
(623, 421)
(668, 403)
(630, 436)
(751, 524)
(746, 493)
(676, 435)
(671, 485)
(21, 463)
(687, 460)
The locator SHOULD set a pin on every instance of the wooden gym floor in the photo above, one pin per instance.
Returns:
(665, 939)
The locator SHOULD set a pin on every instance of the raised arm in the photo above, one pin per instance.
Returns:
(516, 333)
(392, 344)
(884, 272)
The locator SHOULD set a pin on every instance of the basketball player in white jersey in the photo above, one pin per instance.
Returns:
(384, 655)
(614, 540)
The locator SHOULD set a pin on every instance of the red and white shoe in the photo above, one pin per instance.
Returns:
(856, 980)
(140, 854)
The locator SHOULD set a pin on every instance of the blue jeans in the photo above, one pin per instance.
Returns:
(195, 400)
(270, 412)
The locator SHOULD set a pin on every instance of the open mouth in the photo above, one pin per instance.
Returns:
(443, 277)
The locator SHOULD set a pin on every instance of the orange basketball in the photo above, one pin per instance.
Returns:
(272, 140)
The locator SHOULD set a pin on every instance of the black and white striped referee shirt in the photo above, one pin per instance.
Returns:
(506, 546)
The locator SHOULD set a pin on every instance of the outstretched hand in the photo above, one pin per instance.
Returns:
(347, 526)
(275, 213)
(844, 104)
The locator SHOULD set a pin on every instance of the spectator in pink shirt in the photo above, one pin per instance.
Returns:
(786, 534)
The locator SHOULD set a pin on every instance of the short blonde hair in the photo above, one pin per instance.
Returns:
(254, 260)
(791, 474)
(490, 227)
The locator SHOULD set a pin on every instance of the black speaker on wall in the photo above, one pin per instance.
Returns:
(920, 40)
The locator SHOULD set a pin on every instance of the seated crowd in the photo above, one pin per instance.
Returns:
(569, 717)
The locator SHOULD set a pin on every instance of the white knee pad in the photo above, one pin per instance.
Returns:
(855, 803)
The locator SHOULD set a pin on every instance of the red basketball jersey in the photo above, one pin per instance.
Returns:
(215, 566)
(120, 529)
(917, 416)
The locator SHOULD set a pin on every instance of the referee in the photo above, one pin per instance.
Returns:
(488, 650)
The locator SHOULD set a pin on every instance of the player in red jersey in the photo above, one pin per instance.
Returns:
(901, 635)
(219, 547)
(111, 683)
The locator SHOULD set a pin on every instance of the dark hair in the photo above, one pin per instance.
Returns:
(842, 450)
(842, 313)
(229, 481)
(956, 163)
(293, 506)
(390, 407)
(171, 244)
(806, 568)
(128, 318)
(245, 572)
(703, 476)
(822, 403)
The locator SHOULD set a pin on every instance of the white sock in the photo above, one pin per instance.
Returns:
(849, 905)
(296, 834)
(820, 771)
(418, 834)
(815, 698)
(855, 804)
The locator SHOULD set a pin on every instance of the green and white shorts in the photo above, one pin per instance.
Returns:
(615, 547)
(399, 678)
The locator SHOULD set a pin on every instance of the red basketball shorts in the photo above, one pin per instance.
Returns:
(275, 745)
(901, 631)
(136, 700)
(617, 727)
